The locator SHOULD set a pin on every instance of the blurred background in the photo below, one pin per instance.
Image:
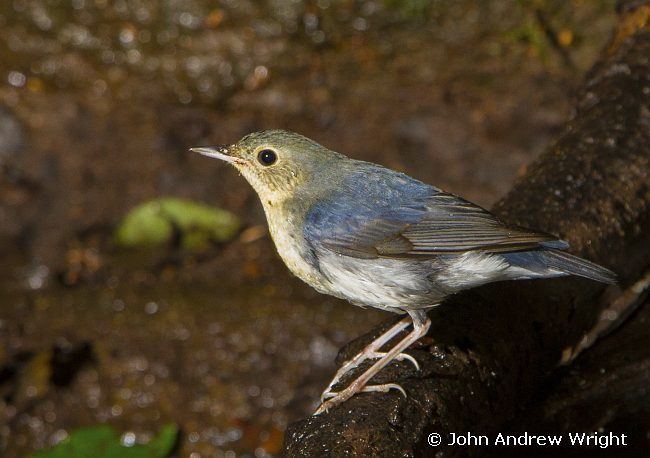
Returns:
(138, 284)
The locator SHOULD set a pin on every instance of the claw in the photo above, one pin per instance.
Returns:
(402, 357)
(384, 388)
(327, 395)
(353, 363)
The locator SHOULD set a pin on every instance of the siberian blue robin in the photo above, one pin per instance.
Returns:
(379, 238)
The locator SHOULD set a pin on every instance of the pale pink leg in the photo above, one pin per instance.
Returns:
(371, 351)
(421, 325)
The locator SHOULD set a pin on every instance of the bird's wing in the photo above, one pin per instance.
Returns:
(413, 224)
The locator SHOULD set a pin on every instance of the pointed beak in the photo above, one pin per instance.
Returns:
(218, 152)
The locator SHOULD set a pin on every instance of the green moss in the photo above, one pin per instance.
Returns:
(155, 223)
(104, 442)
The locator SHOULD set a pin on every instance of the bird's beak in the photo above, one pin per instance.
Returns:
(219, 152)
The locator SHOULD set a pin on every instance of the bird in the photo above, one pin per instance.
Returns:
(380, 238)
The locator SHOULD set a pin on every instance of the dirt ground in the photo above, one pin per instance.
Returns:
(99, 102)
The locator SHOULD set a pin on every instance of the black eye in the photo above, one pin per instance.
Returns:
(267, 157)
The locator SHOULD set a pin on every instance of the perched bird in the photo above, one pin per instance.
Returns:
(379, 238)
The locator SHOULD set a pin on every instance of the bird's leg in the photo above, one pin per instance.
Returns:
(373, 347)
(421, 325)
(371, 351)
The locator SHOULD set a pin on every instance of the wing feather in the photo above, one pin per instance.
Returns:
(406, 218)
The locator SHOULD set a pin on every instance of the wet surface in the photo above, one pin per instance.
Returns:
(99, 102)
(231, 379)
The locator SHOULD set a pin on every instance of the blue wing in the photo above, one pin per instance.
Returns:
(377, 212)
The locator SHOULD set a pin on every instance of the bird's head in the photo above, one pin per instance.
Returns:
(277, 163)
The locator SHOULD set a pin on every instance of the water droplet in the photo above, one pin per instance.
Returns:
(127, 36)
(187, 20)
(16, 79)
(128, 439)
(150, 308)
(360, 24)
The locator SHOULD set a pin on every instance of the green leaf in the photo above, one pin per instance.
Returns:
(155, 222)
(104, 442)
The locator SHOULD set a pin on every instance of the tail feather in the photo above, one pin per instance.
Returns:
(550, 262)
(574, 265)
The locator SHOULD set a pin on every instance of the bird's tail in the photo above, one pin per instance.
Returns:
(573, 265)
(545, 262)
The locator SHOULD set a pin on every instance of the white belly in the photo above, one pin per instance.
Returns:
(382, 283)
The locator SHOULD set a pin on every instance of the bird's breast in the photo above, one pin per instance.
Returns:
(292, 247)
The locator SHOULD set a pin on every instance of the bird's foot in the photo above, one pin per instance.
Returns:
(334, 399)
(361, 357)
(355, 362)
(421, 324)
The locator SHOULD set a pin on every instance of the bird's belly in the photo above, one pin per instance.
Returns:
(387, 284)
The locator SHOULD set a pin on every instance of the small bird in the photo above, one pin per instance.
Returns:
(379, 238)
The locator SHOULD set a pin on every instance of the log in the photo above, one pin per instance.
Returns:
(493, 352)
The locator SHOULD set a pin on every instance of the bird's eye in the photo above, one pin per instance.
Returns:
(267, 157)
